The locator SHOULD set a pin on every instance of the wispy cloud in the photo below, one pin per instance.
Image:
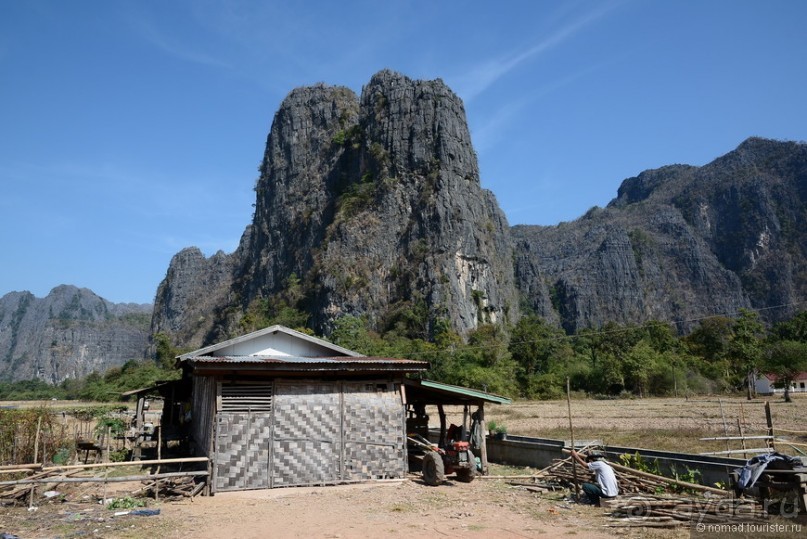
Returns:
(146, 28)
(487, 134)
(485, 75)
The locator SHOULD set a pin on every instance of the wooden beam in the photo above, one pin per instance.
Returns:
(126, 463)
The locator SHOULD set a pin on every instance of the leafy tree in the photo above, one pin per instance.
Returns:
(638, 365)
(747, 346)
(351, 332)
(711, 342)
(786, 359)
(794, 329)
(165, 352)
(536, 346)
(660, 336)
(484, 363)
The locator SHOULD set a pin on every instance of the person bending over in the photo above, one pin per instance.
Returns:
(606, 486)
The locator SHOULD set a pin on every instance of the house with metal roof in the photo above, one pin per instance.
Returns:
(278, 407)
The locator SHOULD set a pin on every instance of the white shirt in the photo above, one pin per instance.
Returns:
(605, 477)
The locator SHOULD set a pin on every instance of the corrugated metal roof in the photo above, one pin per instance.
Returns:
(460, 391)
(292, 365)
(226, 360)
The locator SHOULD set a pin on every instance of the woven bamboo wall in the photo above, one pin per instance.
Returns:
(307, 441)
(316, 433)
(374, 426)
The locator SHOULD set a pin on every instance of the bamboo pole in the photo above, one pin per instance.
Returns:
(16, 467)
(735, 451)
(571, 434)
(64, 479)
(694, 486)
(761, 437)
(128, 463)
(19, 470)
(798, 432)
(36, 457)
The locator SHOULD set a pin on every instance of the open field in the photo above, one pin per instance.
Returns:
(654, 423)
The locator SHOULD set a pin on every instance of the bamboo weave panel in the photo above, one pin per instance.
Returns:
(306, 446)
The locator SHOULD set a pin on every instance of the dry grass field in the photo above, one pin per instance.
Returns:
(657, 423)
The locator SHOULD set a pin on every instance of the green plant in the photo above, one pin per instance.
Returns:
(125, 503)
(689, 476)
(637, 462)
(497, 428)
(339, 138)
(115, 425)
(119, 455)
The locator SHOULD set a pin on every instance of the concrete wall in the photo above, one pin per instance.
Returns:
(524, 451)
(541, 452)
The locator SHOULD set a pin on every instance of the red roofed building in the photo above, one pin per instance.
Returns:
(767, 384)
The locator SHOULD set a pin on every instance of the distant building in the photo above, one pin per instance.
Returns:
(766, 384)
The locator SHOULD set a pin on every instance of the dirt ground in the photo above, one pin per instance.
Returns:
(409, 508)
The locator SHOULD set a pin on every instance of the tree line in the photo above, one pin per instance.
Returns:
(531, 359)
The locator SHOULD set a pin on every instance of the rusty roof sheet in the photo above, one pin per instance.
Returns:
(306, 364)
(297, 359)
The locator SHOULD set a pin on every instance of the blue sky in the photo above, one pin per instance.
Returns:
(129, 130)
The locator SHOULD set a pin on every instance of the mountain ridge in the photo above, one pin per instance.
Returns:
(371, 206)
(69, 333)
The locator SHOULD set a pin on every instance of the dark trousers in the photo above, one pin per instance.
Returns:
(594, 492)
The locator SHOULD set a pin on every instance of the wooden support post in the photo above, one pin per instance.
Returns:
(106, 470)
(442, 413)
(159, 457)
(483, 451)
(464, 431)
(742, 437)
(725, 425)
(139, 421)
(769, 420)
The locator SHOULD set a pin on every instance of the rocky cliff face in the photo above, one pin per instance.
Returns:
(68, 334)
(375, 205)
(679, 243)
(371, 206)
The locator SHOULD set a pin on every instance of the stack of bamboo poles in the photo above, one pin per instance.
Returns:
(15, 491)
(171, 489)
(630, 481)
(672, 512)
(641, 505)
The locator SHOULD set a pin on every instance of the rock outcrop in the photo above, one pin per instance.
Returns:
(68, 334)
(372, 206)
(375, 205)
(679, 243)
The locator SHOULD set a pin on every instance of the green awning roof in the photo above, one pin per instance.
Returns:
(447, 394)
